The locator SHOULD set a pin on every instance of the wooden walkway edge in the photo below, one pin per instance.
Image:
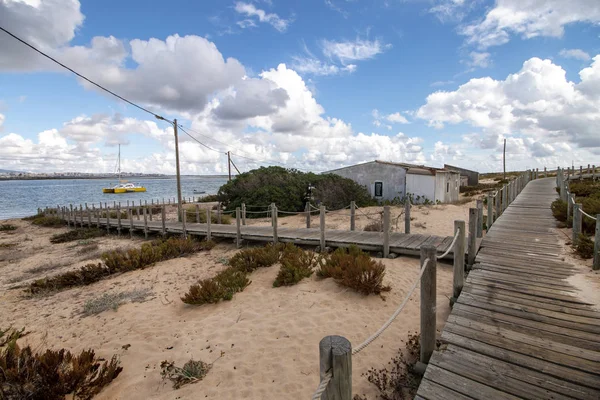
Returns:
(518, 330)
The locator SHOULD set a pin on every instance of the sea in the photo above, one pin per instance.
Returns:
(20, 198)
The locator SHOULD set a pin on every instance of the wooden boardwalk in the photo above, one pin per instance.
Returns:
(400, 243)
(518, 330)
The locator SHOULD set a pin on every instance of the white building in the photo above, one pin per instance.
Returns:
(389, 180)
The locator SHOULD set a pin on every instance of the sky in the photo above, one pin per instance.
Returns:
(313, 84)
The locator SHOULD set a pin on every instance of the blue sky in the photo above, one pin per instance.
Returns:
(314, 84)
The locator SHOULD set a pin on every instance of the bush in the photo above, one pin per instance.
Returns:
(209, 198)
(248, 260)
(375, 226)
(591, 205)
(221, 287)
(77, 234)
(53, 374)
(48, 222)
(585, 188)
(296, 264)
(190, 216)
(7, 227)
(584, 247)
(11, 335)
(559, 210)
(355, 269)
(191, 372)
(287, 188)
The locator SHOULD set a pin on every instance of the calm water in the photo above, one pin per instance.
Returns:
(22, 198)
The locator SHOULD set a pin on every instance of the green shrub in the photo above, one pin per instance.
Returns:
(591, 205)
(296, 264)
(585, 188)
(248, 260)
(7, 227)
(11, 335)
(190, 216)
(209, 198)
(584, 247)
(77, 234)
(191, 372)
(221, 287)
(559, 210)
(355, 269)
(53, 374)
(48, 222)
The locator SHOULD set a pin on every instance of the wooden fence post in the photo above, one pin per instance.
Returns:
(497, 201)
(275, 238)
(428, 303)
(570, 202)
(71, 216)
(238, 240)
(197, 213)
(386, 231)
(580, 172)
(335, 355)
(352, 215)
(472, 244)
(459, 261)
(163, 219)
(593, 172)
(272, 208)
(183, 221)
(596, 264)
(480, 218)
(490, 212)
(208, 222)
(322, 226)
(145, 211)
(588, 169)
(577, 222)
(243, 213)
(107, 218)
(89, 215)
(218, 212)
(545, 172)
(407, 215)
(130, 215)
(119, 219)
(504, 198)
(307, 208)
(536, 173)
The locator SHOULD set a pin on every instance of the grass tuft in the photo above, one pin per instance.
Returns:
(77, 234)
(191, 372)
(296, 264)
(7, 228)
(48, 222)
(112, 301)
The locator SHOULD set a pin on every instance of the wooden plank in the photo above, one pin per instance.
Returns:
(430, 390)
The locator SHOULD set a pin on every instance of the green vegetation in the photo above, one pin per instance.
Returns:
(77, 234)
(120, 260)
(296, 264)
(53, 374)
(11, 335)
(587, 193)
(48, 222)
(287, 188)
(559, 210)
(481, 188)
(209, 198)
(7, 228)
(584, 247)
(355, 269)
(191, 372)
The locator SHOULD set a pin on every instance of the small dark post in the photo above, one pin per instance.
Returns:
(238, 225)
(479, 218)
(275, 238)
(208, 222)
(322, 227)
(218, 212)
(459, 261)
(145, 222)
(386, 231)
(119, 220)
(428, 303)
(596, 264)
(137, 211)
(407, 215)
(577, 222)
(352, 215)
(473, 213)
(335, 355)
(243, 213)
(307, 209)
(149, 212)
(163, 219)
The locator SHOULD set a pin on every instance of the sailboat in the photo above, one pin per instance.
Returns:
(123, 186)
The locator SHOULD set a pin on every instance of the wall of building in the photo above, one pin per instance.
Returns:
(421, 185)
(472, 176)
(447, 186)
(392, 176)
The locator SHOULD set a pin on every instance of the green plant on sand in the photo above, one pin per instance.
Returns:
(191, 372)
(296, 264)
(77, 234)
(7, 227)
(584, 247)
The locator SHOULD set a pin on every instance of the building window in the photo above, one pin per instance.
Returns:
(378, 189)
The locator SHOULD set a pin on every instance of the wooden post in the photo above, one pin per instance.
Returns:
(70, 215)
(89, 215)
(490, 212)
(163, 219)
(137, 211)
(218, 212)
(149, 212)
(407, 215)
(238, 240)
(545, 172)
(322, 223)
(386, 231)
(107, 218)
(428, 303)
(335, 355)
(473, 214)
(580, 172)
(274, 212)
(272, 219)
(208, 222)
(197, 213)
(97, 214)
(183, 221)
(145, 222)
(593, 172)
(497, 201)
(459, 261)
(536, 173)
(130, 215)
(596, 264)
(119, 219)
(307, 208)
(577, 222)
(588, 169)
(570, 202)
(504, 198)
(352, 215)
(243, 213)
(479, 218)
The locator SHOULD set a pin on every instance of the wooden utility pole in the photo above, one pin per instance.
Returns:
(177, 167)
(229, 163)
(504, 159)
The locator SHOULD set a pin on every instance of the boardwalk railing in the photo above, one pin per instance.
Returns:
(576, 209)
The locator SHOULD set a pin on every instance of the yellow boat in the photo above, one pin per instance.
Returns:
(123, 186)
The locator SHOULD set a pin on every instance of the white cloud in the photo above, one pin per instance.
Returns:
(578, 54)
(478, 59)
(352, 51)
(273, 19)
(529, 19)
(452, 10)
(314, 66)
(537, 102)
(394, 118)
(333, 5)
(397, 118)
(441, 83)
(2, 118)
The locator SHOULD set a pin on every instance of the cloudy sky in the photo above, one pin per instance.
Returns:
(314, 84)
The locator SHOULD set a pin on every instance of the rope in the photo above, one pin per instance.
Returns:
(322, 386)
(396, 313)
(258, 212)
(291, 212)
(451, 245)
(586, 214)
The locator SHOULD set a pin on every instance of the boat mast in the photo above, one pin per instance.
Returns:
(119, 167)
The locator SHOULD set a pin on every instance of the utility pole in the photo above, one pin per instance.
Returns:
(178, 173)
(504, 159)
(229, 163)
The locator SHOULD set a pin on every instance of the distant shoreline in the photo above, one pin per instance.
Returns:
(45, 178)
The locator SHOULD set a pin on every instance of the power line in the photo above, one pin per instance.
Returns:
(208, 147)
(81, 76)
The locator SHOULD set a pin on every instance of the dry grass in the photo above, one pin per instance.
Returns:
(112, 301)
(191, 372)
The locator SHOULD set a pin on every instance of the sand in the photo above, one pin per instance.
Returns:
(262, 344)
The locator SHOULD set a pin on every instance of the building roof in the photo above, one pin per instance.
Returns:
(410, 168)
